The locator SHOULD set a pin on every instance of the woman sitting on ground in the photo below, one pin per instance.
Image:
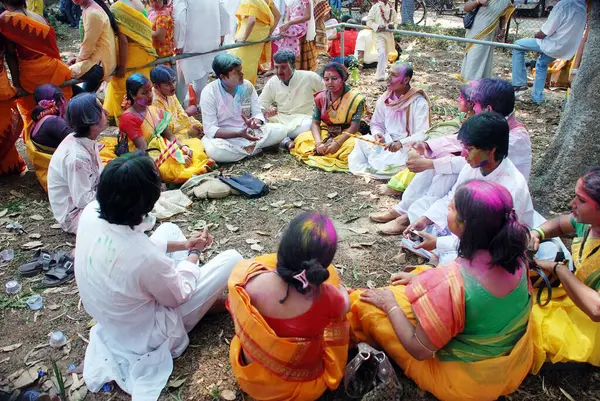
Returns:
(49, 126)
(183, 125)
(336, 117)
(147, 128)
(289, 311)
(460, 330)
(75, 166)
(568, 328)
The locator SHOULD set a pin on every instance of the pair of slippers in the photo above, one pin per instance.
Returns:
(58, 268)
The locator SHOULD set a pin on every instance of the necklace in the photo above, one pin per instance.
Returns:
(389, 18)
(331, 103)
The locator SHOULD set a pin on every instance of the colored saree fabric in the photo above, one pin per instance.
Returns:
(283, 368)
(561, 331)
(140, 51)
(39, 64)
(167, 155)
(181, 124)
(10, 160)
(333, 123)
(472, 364)
(255, 55)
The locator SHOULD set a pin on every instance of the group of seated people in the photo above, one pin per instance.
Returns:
(466, 329)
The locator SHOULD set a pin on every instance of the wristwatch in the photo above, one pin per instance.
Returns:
(194, 251)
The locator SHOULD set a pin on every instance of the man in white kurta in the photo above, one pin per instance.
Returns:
(382, 15)
(401, 118)
(73, 176)
(143, 299)
(200, 26)
(288, 97)
(234, 125)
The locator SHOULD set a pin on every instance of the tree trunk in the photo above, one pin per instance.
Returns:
(576, 146)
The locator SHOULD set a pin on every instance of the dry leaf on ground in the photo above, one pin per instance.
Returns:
(332, 195)
(36, 217)
(12, 347)
(257, 248)
(232, 228)
(32, 245)
(228, 395)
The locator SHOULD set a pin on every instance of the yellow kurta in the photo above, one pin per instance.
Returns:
(561, 331)
(253, 56)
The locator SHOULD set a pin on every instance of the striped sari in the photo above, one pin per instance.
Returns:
(284, 368)
(480, 357)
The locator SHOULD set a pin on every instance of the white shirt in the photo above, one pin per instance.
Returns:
(375, 19)
(365, 43)
(295, 98)
(73, 176)
(220, 110)
(199, 25)
(391, 121)
(131, 288)
(564, 29)
(506, 174)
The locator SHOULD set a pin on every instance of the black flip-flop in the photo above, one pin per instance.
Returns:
(61, 273)
(42, 261)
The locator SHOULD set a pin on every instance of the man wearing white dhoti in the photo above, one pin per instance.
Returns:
(288, 97)
(145, 293)
(401, 118)
(234, 126)
(200, 26)
(382, 16)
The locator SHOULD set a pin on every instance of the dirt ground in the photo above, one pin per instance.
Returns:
(363, 256)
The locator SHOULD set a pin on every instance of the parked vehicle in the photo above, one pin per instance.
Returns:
(534, 8)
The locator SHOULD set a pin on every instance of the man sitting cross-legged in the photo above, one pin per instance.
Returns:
(288, 97)
(401, 117)
(182, 124)
(234, 126)
(438, 167)
(145, 293)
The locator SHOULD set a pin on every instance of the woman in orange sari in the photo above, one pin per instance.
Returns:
(460, 330)
(11, 124)
(291, 339)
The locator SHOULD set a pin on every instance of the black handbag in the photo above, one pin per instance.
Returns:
(122, 144)
(469, 18)
(247, 184)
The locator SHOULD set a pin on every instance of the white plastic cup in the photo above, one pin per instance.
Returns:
(7, 255)
(35, 302)
(57, 339)
(12, 287)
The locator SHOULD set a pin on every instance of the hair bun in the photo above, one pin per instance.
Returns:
(316, 274)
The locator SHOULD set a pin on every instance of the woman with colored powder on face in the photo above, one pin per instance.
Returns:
(147, 128)
(568, 328)
(460, 331)
(289, 311)
(337, 114)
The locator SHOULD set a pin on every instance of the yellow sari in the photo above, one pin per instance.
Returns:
(140, 51)
(255, 55)
(463, 368)
(181, 124)
(167, 155)
(291, 369)
(333, 124)
(561, 331)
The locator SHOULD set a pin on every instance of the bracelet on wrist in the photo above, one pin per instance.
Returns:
(393, 308)
(541, 233)
(194, 251)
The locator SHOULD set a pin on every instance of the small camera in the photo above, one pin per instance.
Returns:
(415, 237)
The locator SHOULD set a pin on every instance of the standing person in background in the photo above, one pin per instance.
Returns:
(161, 16)
(382, 16)
(558, 38)
(36, 6)
(135, 51)
(491, 16)
(256, 21)
(97, 57)
(322, 11)
(298, 31)
(193, 18)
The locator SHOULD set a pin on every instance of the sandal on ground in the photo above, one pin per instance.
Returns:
(394, 227)
(385, 216)
(42, 261)
(61, 273)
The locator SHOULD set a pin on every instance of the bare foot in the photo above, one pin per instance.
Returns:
(394, 227)
(387, 191)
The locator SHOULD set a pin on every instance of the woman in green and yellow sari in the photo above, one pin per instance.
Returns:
(568, 328)
(147, 128)
(336, 118)
(135, 50)
(460, 330)
(257, 19)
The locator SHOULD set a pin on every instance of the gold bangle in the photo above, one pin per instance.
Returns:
(392, 309)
